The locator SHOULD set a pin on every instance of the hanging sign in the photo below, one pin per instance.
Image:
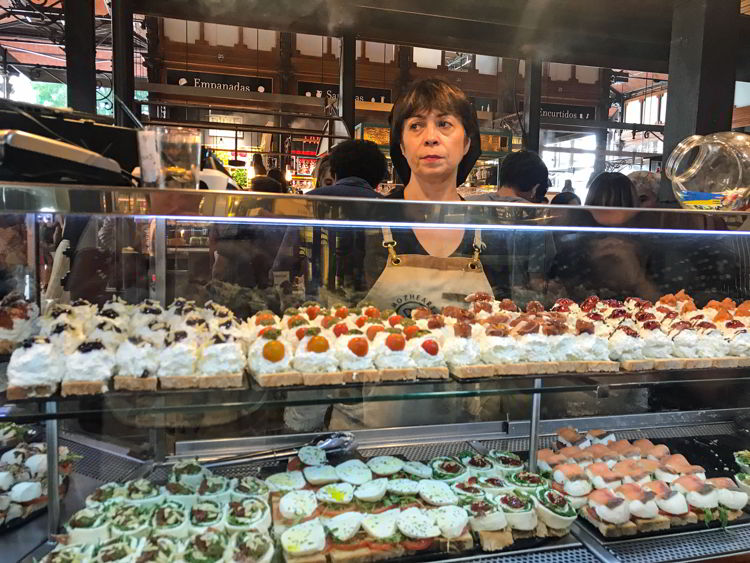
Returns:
(361, 94)
(234, 83)
(564, 111)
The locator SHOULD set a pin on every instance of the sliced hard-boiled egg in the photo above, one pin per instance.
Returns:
(436, 492)
(337, 493)
(385, 465)
(344, 527)
(416, 523)
(312, 455)
(403, 487)
(381, 525)
(320, 474)
(451, 520)
(418, 469)
(304, 539)
(286, 481)
(372, 491)
(298, 504)
(354, 471)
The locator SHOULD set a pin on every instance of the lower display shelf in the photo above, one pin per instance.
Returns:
(711, 446)
(250, 395)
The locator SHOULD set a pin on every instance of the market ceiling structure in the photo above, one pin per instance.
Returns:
(633, 34)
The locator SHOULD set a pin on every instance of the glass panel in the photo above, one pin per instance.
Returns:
(251, 253)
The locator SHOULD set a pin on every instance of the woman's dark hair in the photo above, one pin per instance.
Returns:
(523, 170)
(359, 158)
(439, 95)
(265, 184)
(566, 198)
(276, 174)
(323, 165)
(258, 165)
(612, 189)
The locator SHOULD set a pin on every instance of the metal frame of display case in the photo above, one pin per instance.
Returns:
(33, 199)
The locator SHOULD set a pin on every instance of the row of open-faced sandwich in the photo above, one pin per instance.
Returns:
(23, 479)
(354, 511)
(83, 349)
(624, 488)
(489, 337)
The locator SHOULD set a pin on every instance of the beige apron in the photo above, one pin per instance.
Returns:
(410, 281)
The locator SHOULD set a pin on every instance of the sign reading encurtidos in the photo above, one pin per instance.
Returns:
(228, 82)
(563, 111)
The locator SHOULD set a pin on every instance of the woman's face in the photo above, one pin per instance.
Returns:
(434, 144)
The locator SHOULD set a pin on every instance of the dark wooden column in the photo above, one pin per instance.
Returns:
(602, 114)
(347, 79)
(507, 81)
(702, 67)
(532, 103)
(405, 59)
(80, 54)
(122, 57)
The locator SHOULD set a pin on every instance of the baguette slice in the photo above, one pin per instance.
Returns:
(637, 365)
(394, 553)
(725, 362)
(542, 367)
(128, 383)
(668, 363)
(69, 388)
(697, 363)
(281, 379)
(524, 534)
(435, 372)
(398, 374)
(495, 541)
(684, 520)
(544, 531)
(474, 371)
(313, 558)
(651, 524)
(178, 381)
(360, 555)
(601, 365)
(19, 393)
(464, 542)
(326, 378)
(609, 530)
(507, 369)
(221, 381)
(361, 376)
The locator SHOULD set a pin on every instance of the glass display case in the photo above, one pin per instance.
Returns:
(142, 329)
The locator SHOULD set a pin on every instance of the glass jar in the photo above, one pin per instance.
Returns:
(711, 171)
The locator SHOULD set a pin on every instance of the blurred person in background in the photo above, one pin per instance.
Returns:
(647, 187)
(523, 178)
(258, 166)
(266, 184)
(323, 174)
(519, 260)
(357, 167)
(566, 198)
(276, 174)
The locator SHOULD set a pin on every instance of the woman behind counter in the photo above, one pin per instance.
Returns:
(434, 145)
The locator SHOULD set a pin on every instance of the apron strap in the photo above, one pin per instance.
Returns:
(478, 244)
(390, 244)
